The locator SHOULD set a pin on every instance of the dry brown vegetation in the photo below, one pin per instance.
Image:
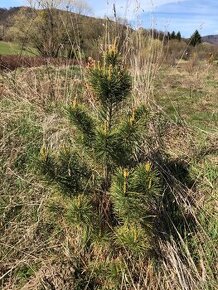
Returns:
(13, 62)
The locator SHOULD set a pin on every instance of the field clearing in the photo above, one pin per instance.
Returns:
(36, 240)
(189, 98)
(190, 95)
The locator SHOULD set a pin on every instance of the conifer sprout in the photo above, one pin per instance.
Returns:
(109, 166)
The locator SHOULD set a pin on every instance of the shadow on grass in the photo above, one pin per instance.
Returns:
(175, 218)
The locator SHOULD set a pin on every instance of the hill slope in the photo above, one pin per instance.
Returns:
(55, 29)
(213, 39)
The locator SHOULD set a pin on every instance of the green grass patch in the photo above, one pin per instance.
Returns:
(193, 102)
(10, 48)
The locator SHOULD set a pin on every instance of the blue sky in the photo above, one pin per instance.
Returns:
(166, 15)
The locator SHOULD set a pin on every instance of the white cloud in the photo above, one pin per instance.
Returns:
(128, 8)
(149, 5)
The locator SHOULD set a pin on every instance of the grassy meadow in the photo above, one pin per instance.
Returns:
(40, 247)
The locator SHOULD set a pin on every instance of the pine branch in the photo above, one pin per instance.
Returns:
(83, 122)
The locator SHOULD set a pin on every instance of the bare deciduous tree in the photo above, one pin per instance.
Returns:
(47, 27)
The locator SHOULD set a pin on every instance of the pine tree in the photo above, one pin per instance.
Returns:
(195, 38)
(108, 164)
(178, 36)
(173, 35)
(119, 202)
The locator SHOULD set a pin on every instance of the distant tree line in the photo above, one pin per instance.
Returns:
(194, 40)
(174, 35)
